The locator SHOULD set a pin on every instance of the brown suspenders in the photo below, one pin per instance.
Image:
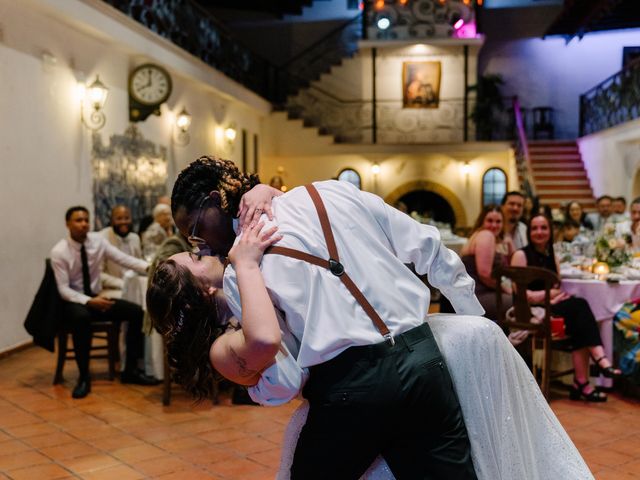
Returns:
(333, 263)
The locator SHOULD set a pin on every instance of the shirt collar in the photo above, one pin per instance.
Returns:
(76, 245)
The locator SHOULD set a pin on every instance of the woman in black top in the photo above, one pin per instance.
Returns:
(580, 322)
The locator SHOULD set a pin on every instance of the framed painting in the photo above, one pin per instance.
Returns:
(421, 84)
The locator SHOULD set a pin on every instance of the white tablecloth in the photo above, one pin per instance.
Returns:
(135, 290)
(605, 299)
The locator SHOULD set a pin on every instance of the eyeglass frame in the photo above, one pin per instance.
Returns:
(196, 241)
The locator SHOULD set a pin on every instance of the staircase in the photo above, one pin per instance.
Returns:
(559, 175)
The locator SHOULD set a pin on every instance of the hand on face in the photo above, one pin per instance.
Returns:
(252, 244)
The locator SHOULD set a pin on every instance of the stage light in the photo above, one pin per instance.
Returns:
(458, 25)
(383, 23)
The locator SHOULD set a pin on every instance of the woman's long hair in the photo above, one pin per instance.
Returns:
(549, 247)
(183, 312)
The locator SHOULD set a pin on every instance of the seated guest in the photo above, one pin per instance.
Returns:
(158, 231)
(148, 219)
(619, 207)
(634, 214)
(604, 214)
(569, 231)
(486, 250)
(579, 320)
(77, 262)
(512, 208)
(574, 211)
(121, 236)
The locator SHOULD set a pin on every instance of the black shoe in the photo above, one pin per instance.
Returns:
(138, 377)
(241, 397)
(82, 389)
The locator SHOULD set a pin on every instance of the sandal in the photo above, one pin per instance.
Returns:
(578, 393)
(610, 371)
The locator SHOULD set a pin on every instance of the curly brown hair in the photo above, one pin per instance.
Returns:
(187, 317)
(209, 173)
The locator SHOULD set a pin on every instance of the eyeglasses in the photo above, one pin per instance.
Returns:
(199, 244)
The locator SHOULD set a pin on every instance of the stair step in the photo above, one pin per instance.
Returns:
(547, 150)
(564, 183)
(560, 173)
(563, 196)
(555, 158)
(572, 167)
(551, 143)
(578, 188)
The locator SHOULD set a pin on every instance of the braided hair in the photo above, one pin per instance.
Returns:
(182, 311)
(210, 173)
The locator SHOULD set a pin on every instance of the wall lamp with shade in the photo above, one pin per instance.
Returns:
(465, 169)
(181, 133)
(95, 95)
(375, 169)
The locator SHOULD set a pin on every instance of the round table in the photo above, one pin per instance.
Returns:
(605, 299)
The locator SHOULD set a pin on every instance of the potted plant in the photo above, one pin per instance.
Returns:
(486, 111)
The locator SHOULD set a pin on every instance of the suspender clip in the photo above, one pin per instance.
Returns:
(389, 338)
(336, 267)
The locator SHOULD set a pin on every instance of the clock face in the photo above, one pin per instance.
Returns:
(150, 84)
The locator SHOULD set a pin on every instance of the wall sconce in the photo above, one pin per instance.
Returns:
(465, 169)
(183, 122)
(375, 169)
(96, 95)
(230, 134)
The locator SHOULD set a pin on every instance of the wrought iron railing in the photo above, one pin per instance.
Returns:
(351, 120)
(313, 61)
(189, 26)
(614, 101)
(523, 160)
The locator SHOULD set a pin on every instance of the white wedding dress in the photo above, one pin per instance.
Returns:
(514, 434)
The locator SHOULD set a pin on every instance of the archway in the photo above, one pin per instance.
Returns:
(420, 190)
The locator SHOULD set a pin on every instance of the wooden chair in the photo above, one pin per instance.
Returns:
(107, 332)
(521, 278)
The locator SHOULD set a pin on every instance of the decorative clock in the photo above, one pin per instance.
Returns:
(149, 87)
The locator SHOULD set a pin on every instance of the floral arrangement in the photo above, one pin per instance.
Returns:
(612, 249)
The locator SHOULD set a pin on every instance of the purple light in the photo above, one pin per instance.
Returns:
(458, 25)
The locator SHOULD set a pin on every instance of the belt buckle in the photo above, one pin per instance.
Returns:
(389, 338)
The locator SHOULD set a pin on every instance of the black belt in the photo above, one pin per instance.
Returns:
(403, 342)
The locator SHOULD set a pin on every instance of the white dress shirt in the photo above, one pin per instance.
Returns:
(112, 272)
(67, 265)
(374, 242)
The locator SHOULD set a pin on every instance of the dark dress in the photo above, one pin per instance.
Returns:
(487, 295)
(579, 321)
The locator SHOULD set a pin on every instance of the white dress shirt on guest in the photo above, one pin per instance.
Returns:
(519, 236)
(67, 265)
(113, 273)
(374, 242)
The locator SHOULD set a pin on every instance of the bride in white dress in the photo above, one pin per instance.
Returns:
(514, 434)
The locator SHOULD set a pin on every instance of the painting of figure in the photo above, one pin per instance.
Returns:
(420, 84)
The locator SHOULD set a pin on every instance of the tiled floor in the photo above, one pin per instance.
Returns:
(123, 432)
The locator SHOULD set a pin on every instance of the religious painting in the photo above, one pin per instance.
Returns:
(420, 84)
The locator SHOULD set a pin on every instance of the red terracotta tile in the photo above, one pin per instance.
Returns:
(13, 447)
(240, 469)
(138, 453)
(49, 439)
(24, 459)
(604, 456)
(115, 442)
(161, 466)
(69, 450)
(121, 472)
(89, 463)
(50, 471)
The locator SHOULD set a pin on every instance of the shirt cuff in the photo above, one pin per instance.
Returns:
(279, 384)
(465, 304)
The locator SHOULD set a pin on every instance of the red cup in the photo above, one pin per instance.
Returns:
(557, 326)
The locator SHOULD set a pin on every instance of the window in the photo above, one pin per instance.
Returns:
(351, 176)
(494, 186)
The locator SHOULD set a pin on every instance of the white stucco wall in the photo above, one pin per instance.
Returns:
(45, 163)
(551, 72)
(612, 160)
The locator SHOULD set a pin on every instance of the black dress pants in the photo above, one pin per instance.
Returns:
(395, 401)
(580, 323)
(77, 319)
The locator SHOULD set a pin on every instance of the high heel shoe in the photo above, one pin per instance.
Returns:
(577, 393)
(610, 371)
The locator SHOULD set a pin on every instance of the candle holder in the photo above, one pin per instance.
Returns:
(601, 270)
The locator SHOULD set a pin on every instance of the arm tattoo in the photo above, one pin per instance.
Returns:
(241, 363)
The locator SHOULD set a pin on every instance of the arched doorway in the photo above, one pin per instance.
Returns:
(429, 205)
(445, 201)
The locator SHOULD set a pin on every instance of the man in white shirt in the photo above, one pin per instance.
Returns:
(369, 394)
(604, 214)
(77, 262)
(512, 208)
(119, 234)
